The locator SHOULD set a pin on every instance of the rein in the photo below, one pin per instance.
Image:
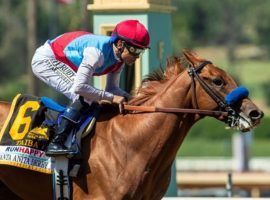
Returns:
(150, 109)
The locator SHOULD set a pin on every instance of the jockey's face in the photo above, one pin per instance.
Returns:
(128, 58)
(128, 53)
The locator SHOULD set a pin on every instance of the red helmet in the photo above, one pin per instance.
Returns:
(133, 32)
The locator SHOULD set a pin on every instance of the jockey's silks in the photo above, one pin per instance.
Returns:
(69, 49)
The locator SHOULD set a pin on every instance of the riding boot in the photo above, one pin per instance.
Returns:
(69, 120)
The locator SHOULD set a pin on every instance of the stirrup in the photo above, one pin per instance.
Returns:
(55, 149)
(60, 152)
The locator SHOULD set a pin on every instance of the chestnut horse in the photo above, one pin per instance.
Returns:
(130, 155)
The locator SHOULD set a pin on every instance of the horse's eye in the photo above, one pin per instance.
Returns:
(218, 82)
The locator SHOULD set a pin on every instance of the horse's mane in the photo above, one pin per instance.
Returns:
(156, 80)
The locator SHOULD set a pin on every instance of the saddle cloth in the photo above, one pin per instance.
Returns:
(27, 131)
(24, 124)
(22, 138)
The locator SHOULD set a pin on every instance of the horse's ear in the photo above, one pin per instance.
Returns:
(191, 57)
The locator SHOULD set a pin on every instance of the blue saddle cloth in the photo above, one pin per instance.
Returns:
(53, 105)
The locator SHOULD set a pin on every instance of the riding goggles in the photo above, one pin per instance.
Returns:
(133, 50)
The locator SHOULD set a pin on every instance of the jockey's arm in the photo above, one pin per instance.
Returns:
(112, 85)
(93, 58)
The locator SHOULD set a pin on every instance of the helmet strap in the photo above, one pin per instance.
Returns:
(120, 50)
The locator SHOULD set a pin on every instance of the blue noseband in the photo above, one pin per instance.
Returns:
(236, 95)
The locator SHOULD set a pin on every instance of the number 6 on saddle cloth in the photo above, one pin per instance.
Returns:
(31, 122)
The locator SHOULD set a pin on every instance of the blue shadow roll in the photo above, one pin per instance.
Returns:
(236, 95)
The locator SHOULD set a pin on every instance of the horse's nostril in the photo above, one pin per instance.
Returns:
(255, 114)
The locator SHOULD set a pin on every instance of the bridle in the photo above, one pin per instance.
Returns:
(224, 109)
(194, 74)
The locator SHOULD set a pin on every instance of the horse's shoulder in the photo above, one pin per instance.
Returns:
(5, 103)
(4, 107)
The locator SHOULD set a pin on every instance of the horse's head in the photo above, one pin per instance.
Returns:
(201, 87)
(214, 89)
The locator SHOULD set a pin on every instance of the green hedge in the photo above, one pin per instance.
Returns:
(10, 89)
(214, 129)
(263, 129)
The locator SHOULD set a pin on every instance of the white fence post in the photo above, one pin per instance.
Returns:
(241, 148)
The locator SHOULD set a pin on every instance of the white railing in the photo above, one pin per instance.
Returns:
(211, 198)
(219, 164)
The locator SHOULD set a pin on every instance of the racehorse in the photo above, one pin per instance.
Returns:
(130, 154)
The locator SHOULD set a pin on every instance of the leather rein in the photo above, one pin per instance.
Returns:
(194, 74)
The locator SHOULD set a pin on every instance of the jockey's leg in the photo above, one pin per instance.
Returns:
(69, 120)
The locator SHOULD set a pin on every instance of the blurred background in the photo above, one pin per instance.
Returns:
(234, 35)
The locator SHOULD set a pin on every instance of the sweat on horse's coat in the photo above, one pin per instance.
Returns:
(130, 156)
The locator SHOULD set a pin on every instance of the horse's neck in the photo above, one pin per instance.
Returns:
(144, 143)
(167, 131)
(176, 95)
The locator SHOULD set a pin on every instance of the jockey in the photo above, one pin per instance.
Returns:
(68, 62)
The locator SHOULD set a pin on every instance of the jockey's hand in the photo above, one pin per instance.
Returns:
(120, 101)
